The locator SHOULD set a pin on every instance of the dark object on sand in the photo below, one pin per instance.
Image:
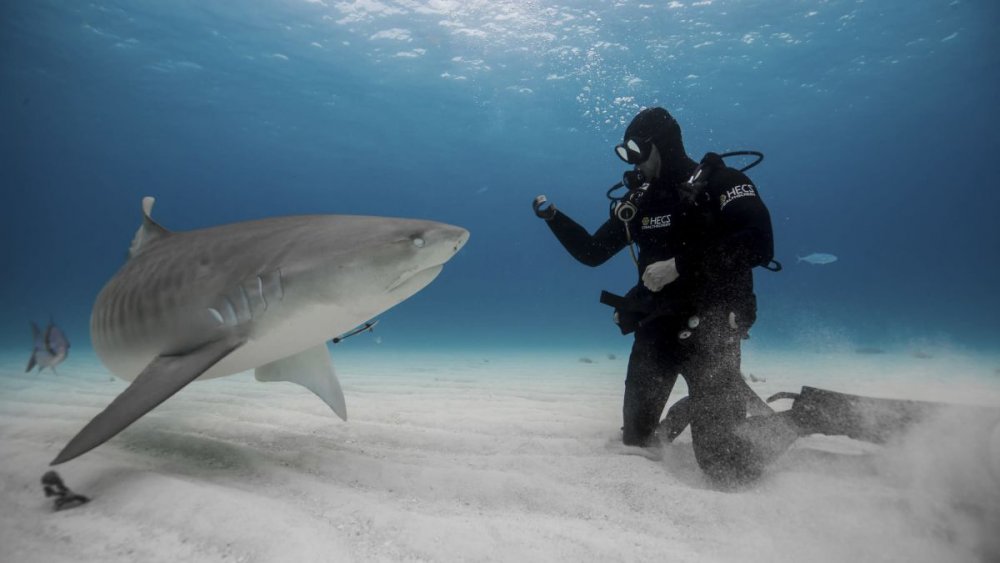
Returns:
(920, 354)
(612, 357)
(869, 350)
(586, 361)
(53, 485)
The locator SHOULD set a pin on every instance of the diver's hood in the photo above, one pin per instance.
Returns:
(663, 130)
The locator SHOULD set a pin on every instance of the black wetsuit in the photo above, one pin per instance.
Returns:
(716, 242)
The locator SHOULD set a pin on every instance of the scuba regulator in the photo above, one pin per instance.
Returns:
(626, 207)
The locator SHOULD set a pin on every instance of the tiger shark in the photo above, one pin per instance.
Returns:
(264, 295)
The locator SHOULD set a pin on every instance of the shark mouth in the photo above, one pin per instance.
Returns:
(418, 278)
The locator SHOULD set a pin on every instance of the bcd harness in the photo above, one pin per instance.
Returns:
(631, 312)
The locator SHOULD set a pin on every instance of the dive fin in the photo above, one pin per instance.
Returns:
(163, 377)
(311, 369)
(149, 231)
(819, 411)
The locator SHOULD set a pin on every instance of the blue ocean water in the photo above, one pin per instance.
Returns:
(878, 119)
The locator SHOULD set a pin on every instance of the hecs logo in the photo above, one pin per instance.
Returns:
(736, 192)
(656, 222)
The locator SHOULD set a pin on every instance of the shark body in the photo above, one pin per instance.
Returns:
(264, 295)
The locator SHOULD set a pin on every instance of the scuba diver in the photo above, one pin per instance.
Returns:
(700, 229)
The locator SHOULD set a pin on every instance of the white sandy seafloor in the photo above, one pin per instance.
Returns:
(491, 456)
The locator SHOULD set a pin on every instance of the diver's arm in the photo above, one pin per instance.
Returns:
(592, 250)
(743, 236)
(748, 240)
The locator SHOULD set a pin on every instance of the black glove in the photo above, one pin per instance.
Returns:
(542, 210)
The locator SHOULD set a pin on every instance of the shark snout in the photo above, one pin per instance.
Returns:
(454, 239)
(445, 240)
(461, 236)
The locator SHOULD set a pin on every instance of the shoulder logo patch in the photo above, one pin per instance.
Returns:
(736, 192)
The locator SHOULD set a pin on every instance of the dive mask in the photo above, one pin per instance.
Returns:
(634, 151)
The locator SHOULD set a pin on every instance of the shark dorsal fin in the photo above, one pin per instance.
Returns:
(149, 232)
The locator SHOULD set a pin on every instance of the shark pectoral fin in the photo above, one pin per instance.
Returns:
(311, 369)
(163, 377)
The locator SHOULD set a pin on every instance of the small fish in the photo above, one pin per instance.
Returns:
(368, 326)
(817, 258)
(51, 347)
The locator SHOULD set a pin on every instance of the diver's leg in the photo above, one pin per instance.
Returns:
(678, 416)
(729, 446)
(651, 376)
(716, 407)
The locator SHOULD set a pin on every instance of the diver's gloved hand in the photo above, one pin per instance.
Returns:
(544, 211)
(660, 274)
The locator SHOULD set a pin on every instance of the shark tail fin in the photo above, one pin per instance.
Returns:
(149, 232)
(311, 369)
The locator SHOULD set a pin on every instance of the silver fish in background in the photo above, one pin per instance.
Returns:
(50, 349)
(817, 258)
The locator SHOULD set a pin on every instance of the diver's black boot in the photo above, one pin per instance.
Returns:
(677, 419)
(818, 411)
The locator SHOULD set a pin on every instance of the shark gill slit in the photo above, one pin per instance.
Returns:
(229, 311)
(260, 291)
(217, 315)
(246, 302)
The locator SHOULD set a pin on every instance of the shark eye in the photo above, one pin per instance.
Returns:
(418, 242)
